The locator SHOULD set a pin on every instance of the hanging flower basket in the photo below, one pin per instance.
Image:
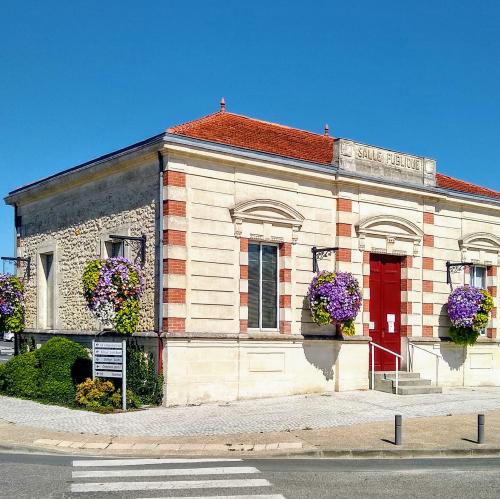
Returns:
(11, 304)
(335, 298)
(468, 309)
(112, 288)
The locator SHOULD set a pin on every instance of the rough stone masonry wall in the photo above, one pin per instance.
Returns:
(73, 223)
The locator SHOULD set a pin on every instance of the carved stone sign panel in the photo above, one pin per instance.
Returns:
(376, 162)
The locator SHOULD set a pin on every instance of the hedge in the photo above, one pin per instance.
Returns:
(19, 376)
(48, 374)
(63, 365)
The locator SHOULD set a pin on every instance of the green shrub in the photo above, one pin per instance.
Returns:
(26, 344)
(101, 396)
(142, 376)
(2, 376)
(20, 376)
(63, 364)
(96, 393)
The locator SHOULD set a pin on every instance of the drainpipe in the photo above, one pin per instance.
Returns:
(160, 264)
(16, 254)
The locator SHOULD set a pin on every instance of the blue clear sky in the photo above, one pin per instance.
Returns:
(79, 79)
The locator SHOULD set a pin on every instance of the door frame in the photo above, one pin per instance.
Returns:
(380, 326)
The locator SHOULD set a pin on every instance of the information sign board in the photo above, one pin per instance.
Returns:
(109, 360)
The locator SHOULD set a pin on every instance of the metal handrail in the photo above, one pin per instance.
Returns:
(373, 344)
(410, 359)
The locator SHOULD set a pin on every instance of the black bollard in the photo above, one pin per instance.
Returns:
(480, 428)
(397, 429)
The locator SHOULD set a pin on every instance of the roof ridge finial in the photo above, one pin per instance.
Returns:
(222, 105)
(327, 130)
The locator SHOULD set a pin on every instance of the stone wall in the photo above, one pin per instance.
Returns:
(207, 370)
(74, 224)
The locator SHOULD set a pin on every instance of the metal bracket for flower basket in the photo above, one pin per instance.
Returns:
(319, 254)
(455, 268)
(18, 260)
(134, 239)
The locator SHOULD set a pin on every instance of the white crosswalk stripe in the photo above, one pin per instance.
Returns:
(235, 470)
(173, 485)
(251, 496)
(140, 462)
(110, 471)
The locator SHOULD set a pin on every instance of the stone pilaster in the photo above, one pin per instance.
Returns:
(175, 252)
(285, 288)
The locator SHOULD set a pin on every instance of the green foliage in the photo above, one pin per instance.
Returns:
(20, 376)
(26, 344)
(102, 396)
(463, 335)
(480, 321)
(48, 374)
(2, 377)
(487, 303)
(142, 376)
(14, 322)
(96, 393)
(321, 315)
(90, 277)
(325, 277)
(63, 364)
(127, 318)
(348, 328)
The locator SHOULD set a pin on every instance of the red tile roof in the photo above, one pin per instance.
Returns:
(455, 184)
(240, 131)
(249, 133)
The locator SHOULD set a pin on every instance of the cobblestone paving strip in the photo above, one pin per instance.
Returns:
(253, 416)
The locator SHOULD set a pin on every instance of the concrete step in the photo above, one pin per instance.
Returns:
(408, 383)
(411, 382)
(392, 374)
(417, 390)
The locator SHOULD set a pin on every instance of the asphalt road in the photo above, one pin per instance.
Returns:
(49, 476)
(6, 350)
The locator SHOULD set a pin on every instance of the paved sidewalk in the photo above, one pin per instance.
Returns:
(253, 416)
(349, 424)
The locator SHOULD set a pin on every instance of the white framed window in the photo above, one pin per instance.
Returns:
(478, 275)
(263, 302)
(47, 298)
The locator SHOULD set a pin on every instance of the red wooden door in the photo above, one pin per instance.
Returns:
(385, 308)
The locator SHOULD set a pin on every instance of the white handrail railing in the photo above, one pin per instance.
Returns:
(410, 358)
(373, 344)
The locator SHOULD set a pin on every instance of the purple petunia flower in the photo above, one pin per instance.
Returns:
(336, 294)
(463, 304)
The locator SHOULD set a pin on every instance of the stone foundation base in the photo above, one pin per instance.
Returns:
(199, 370)
(477, 365)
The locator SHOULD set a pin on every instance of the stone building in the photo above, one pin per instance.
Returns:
(231, 208)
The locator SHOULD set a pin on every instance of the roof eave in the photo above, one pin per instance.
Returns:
(30, 189)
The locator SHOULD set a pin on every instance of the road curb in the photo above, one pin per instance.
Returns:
(304, 454)
(397, 453)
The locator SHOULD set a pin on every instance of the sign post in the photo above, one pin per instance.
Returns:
(109, 360)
